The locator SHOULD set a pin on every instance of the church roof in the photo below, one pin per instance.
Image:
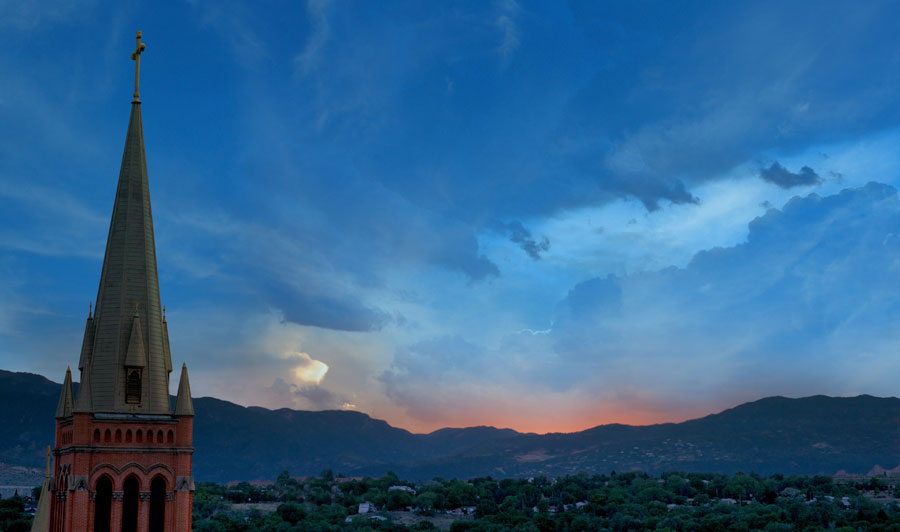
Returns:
(129, 285)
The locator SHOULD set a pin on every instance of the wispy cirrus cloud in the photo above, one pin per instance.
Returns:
(508, 10)
(308, 59)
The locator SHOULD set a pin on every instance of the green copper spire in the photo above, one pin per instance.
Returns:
(128, 368)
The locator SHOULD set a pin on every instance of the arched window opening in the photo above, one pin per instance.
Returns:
(130, 505)
(102, 504)
(118, 435)
(128, 436)
(107, 436)
(139, 437)
(157, 505)
(159, 436)
(171, 437)
(133, 386)
(149, 436)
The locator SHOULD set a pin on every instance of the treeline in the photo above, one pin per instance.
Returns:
(13, 514)
(675, 502)
(616, 502)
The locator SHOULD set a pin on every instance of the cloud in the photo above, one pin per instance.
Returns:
(308, 60)
(28, 15)
(309, 371)
(506, 23)
(234, 23)
(306, 396)
(792, 293)
(321, 309)
(517, 234)
(804, 294)
(75, 230)
(664, 104)
(416, 371)
(320, 398)
(784, 178)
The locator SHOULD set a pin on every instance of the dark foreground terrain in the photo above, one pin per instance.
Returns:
(813, 435)
(621, 502)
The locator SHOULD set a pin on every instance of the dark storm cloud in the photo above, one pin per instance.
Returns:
(517, 234)
(316, 396)
(398, 157)
(784, 178)
(626, 106)
(319, 398)
(653, 192)
(330, 311)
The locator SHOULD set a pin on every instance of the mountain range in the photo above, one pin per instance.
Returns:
(811, 435)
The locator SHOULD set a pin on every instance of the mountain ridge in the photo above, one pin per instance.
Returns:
(811, 435)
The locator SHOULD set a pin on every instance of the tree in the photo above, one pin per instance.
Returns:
(291, 512)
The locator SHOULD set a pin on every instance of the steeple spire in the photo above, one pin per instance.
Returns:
(124, 352)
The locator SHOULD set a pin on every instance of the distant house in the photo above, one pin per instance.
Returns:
(366, 507)
(402, 488)
(350, 518)
(341, 480)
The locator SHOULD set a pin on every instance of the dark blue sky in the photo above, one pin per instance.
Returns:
(543, 215)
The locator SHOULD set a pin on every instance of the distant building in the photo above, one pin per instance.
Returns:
(366, 507)
(402, 488)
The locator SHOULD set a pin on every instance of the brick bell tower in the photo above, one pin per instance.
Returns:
(123, 454)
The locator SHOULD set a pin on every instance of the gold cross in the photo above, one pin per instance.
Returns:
(136, 57)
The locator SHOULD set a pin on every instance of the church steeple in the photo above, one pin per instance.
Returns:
(123, 456)
(128, 350)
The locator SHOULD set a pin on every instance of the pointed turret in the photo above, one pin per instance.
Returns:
(87, 344)
(168, 353)
(122, 341)
(83, 402)
(66, 402)
(41, 521)
(184, 406)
